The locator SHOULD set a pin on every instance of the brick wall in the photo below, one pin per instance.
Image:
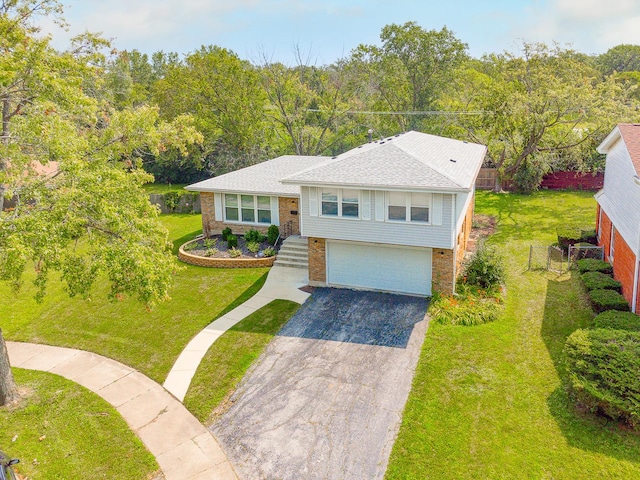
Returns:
(211, 226)
(442, 273)
(286, 205)
(624, 266)
(605, 234)
(317, 261)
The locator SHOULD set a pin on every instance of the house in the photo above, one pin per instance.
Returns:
(618, 211)
(391, 215)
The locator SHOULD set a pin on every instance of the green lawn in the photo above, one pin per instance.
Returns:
(164, 187)
(230, 357)
(491, 401)
(126, 331)
(61, 430)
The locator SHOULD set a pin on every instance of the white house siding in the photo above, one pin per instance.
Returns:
(372, 230)
(620, 197)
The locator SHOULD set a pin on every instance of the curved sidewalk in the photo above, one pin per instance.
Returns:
(183, 447)
(282, 283)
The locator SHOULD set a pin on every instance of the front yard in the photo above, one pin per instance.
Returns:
(491, 401)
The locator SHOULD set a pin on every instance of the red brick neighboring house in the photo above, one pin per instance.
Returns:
(618, 214)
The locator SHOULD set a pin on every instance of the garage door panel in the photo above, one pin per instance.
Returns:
(395, 269)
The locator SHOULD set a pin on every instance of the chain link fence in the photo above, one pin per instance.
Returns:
(554, 258)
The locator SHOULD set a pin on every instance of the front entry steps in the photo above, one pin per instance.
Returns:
(294, 252)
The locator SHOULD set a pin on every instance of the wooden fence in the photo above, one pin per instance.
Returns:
(553, 181)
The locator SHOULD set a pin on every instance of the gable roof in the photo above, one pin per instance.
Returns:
(408, 160)
(630, 135)
(262, 178)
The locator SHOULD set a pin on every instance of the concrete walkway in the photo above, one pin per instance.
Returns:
(282, 283)
(183, 447)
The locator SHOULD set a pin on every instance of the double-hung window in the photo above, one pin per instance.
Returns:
(247, 208)
(338, 202)
(409, 207)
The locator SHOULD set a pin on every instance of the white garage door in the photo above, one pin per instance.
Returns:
(390, 268)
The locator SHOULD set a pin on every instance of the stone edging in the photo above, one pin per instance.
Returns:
(223, 262)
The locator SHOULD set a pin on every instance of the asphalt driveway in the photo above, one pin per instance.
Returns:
(325, 399)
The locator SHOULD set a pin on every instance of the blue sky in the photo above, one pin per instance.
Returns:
(330, 29)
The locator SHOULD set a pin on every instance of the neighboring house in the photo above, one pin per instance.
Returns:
(392, 215)
(618, 213)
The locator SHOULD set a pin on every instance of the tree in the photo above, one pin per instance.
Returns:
(91, 218)
(411, 68)
(533, 108)
(308, 105)
(621, 58)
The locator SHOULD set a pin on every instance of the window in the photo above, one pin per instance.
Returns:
(340, 203)
(247, 208)
(611, 245)
(408, 207)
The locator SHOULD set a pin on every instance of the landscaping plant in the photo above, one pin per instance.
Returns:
(603, 366)
(617, 320)
(254, 236)
(225, 234)
(272, 234)
(593, 265)
(253, 247)
(485, 269)
(232, 242)
(603, 299)
(599, 280)
(269, 252)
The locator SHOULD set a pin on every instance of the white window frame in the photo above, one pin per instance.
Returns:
(239, 208)
(612, 243)
(340, 200)
(408, 206)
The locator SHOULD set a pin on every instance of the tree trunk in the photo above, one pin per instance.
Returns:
(8, 389)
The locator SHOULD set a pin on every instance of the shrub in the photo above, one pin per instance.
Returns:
(617, 320)
(599, 281)
(467, 310)
(234, 252)
(225, 233)
(253, 247)
(232, 241)
(272, 234)
(253, 236)
(593, 265)
(210, 252)
(485, 269)
(607, 300)
(603, 368)
(269, 252)
(190, 246)
(572, 235)
(209, 242)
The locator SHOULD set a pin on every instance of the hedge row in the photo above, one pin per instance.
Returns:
(599, 281)
(617, 320)
(603, 367)
(593, 265)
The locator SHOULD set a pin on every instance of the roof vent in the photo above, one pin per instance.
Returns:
(333, 158)
(381, 142)
(452, 160)
(464, 141)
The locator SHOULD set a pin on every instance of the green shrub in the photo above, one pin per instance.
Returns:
(234, 252)
(269, 252)
(617, 320)
(485, 269)
(232, 241)
(603, 368)
(467, 310)
(210, 252)
(254, 236)
(225, 234)
(593, 265)
(599, 280)
(209, 242)
(602, 300)
(572, 235)
(272, 234)
(253, 247)
(187, 247)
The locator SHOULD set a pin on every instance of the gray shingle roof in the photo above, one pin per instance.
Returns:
(263, 178)
(409, 160)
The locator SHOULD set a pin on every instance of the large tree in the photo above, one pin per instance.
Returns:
(532, 107)
(90, 217)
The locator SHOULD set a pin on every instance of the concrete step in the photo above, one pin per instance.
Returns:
(287, 263)
(289, 258)
(294, 246)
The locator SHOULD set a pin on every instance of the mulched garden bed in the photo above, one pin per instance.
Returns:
(215, 247)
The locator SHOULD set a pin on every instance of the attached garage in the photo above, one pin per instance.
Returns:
(379, 267)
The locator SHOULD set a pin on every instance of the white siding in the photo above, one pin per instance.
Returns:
(374, 230)
(621, 195)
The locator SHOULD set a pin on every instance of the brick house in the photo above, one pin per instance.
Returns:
(391, 215)
(618, 211)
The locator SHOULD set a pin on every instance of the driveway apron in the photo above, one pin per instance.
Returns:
(325, 399)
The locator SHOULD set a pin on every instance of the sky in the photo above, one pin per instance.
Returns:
(326, 30)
